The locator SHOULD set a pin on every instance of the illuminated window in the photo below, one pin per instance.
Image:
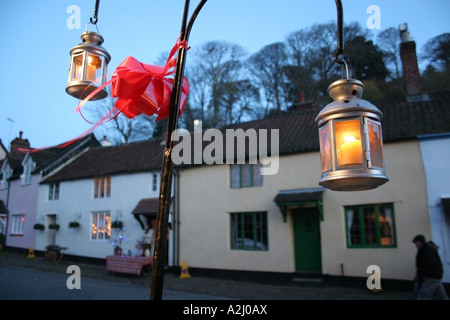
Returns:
(249, 231)
(102, 187)
(370, 226)
(101, 225)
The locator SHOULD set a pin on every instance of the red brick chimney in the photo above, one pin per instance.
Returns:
(19, 143)
(411, 75)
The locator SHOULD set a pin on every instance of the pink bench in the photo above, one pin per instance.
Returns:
(127, 264)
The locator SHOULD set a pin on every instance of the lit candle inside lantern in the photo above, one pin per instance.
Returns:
(350, 151)
(91, 70)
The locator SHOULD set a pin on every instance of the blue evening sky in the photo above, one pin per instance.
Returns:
(36, 41)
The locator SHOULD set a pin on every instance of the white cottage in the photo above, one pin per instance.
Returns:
(100, 187)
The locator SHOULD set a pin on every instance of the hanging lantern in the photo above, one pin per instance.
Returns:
(351, 142)
(88, 67)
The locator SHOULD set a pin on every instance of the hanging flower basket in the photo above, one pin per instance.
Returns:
(74, 224)
(53, 226)
(117, 224)
(38, 226)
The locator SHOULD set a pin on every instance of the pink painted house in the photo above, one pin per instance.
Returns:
(20, 175)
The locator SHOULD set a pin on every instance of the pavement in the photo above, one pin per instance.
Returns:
(211, 288)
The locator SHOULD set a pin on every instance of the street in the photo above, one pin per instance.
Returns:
(18, 283)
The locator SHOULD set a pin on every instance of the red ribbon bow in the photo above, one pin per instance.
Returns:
(144, 88)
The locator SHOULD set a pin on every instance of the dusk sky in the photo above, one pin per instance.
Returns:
(36, 38)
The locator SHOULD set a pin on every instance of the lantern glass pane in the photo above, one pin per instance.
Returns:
(94, 68)
(77, 67)
(348, 142)
(375, 143)
(325, 149)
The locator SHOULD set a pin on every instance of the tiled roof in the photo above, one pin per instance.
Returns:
(101, 161)
(47, 156)
(298, 132)
(405, 120)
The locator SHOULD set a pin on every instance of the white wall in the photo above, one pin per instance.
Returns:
(435, 153)
(76, 202)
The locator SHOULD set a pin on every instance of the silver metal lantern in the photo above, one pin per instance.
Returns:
(351, 141)
(88, 67)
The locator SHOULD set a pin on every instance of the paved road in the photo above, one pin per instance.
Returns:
(18, 283)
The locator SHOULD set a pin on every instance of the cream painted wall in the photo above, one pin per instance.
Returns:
(206, 201)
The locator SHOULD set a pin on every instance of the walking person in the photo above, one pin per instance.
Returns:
(429, 270)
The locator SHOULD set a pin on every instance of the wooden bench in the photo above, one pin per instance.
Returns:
(127, 264)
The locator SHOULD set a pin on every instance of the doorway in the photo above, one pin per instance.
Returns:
(307, 246)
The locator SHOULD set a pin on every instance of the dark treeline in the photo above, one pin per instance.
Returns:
(229, 85)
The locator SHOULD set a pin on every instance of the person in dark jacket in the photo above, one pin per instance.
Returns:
(429, 270)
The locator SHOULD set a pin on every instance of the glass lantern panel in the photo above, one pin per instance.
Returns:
(348, 142)
(76, 72)
(325, 149)
(375, 143)
(94, 68)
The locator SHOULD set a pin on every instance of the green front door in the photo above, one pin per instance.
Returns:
(306, 223)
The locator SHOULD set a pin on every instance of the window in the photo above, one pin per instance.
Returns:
(53, 192)
(370, 226)
(246, 175)
(17, 223)
(3, 223)
(101, 225)
(102, 187)
(154, 182)
(27, 170)
(249, 231)
(6, 174)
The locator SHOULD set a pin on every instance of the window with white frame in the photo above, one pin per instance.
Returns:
(18, 221)
(101, 225)
(53, 191)
(102, 187)
(27, 170)
(6, 174)
(246, 175)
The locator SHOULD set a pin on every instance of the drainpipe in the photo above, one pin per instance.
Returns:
(7, 212)
(176, 219)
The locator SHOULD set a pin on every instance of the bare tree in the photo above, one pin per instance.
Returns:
(388, 40)
(119, 129)
(267, 67)
(437, 52)
(216, 65)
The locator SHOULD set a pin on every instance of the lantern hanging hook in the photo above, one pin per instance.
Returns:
(343, 60)
(340, 37)
(94, 18)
